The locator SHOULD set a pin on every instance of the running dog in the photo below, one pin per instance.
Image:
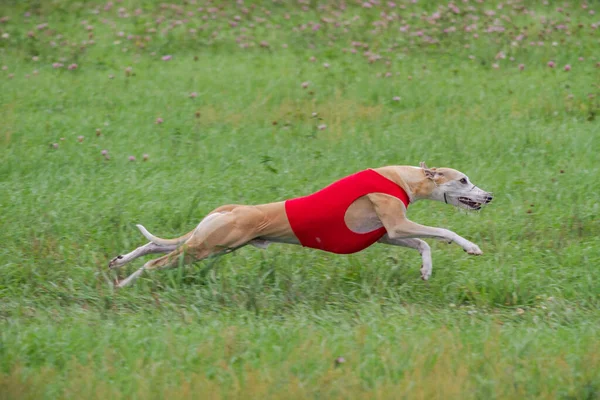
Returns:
(345, 217)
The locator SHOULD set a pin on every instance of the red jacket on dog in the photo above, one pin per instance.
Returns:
(318, 219)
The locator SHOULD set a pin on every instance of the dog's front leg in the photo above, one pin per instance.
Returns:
(409, 229)
(392, 214)
(417, 244)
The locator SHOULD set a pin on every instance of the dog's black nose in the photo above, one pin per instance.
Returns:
(488, 199)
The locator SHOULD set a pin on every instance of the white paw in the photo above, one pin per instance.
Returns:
(119, 284)
(473, 249)
(129, 280)
(426, 269)
(116, 262)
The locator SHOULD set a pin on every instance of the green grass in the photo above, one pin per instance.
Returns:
(521, 321)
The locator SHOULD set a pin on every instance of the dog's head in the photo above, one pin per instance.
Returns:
(454, 187)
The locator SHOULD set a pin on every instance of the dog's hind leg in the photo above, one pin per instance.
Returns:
(149, 248)
(417, 244)
(219, 233)
(160, 245)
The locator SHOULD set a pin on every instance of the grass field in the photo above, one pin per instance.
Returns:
(155, 113)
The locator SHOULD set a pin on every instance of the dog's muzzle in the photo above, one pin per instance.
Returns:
(474, 204)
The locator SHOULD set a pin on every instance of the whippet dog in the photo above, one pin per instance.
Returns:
(345, 217)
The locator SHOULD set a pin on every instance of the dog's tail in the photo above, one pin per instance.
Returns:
(163, 242)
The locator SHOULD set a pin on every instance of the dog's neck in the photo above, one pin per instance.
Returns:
(411, 179)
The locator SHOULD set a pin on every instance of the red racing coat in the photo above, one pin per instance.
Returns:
(318, 219)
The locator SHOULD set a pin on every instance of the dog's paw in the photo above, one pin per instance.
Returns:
(129, 280)
(119, 284)
(473, 249)
(115, 262)
(426, 271)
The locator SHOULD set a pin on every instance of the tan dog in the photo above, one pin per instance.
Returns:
(230, 227)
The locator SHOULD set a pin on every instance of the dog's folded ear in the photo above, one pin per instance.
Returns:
(429, 172)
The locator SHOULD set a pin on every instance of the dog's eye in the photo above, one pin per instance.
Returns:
(463, 181)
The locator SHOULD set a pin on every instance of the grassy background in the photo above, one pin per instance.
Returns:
(521, 321)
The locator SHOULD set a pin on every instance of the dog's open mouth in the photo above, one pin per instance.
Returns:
(473, 205)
